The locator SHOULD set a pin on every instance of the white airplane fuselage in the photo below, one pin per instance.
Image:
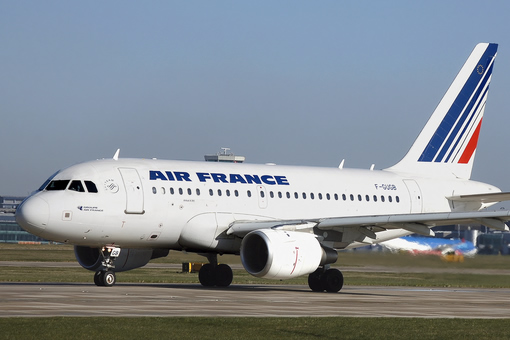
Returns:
(190, 205)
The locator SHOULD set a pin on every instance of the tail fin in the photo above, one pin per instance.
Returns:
(446, 146)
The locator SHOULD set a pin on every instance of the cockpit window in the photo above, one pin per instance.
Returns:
(45, 184)
(76, 186)
(57, 185)
(91, 187)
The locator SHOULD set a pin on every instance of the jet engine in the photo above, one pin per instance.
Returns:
(278, 254)
(91, 258)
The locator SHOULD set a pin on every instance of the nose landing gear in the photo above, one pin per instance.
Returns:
(106, 277)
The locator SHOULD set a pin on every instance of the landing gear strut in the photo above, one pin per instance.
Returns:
(326, 279)
(106, 277)
(214, 274)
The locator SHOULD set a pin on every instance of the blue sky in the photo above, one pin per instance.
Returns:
(289, 82)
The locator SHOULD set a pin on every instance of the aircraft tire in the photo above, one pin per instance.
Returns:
(223, 275)
(99, 278)
(206, 275)
(332, 280)
(314, 281)
(109, 278)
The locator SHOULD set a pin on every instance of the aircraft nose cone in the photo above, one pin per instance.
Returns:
(33, 214)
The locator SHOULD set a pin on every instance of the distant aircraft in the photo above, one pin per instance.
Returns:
(430, 245)
(284, 221)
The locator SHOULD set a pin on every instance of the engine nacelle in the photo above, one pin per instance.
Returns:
(278, 254)
(91, 259)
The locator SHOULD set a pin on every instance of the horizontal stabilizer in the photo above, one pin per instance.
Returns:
(482, 198)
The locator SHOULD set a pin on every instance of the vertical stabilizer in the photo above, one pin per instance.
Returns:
(446, 146)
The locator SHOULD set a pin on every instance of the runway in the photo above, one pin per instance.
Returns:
(164, 300)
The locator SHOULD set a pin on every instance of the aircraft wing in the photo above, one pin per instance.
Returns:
(364, 229)
(483, 198)
(420, 222)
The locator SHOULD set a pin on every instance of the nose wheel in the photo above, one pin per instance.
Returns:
(106, 277)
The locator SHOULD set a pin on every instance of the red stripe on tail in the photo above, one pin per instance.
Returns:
(471, 147)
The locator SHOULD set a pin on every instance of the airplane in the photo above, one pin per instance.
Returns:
(283, 221)
(430, 246)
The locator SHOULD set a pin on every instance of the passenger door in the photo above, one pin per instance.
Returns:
(134, 191)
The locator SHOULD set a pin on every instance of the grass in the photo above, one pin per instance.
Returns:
(252, 328)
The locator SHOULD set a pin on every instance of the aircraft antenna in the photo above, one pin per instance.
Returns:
(116, 156)
(341, 166)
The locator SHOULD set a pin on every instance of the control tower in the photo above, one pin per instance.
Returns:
(224, 156)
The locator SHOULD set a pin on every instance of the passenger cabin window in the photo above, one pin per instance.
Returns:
(57, 185)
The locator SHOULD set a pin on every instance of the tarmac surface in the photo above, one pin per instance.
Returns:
(137, 300)
(143, 299)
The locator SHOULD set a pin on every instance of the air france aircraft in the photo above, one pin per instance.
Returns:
(284, 221)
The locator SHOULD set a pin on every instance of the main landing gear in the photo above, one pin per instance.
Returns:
(106, 277)
(326, 279)
(214, 274)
